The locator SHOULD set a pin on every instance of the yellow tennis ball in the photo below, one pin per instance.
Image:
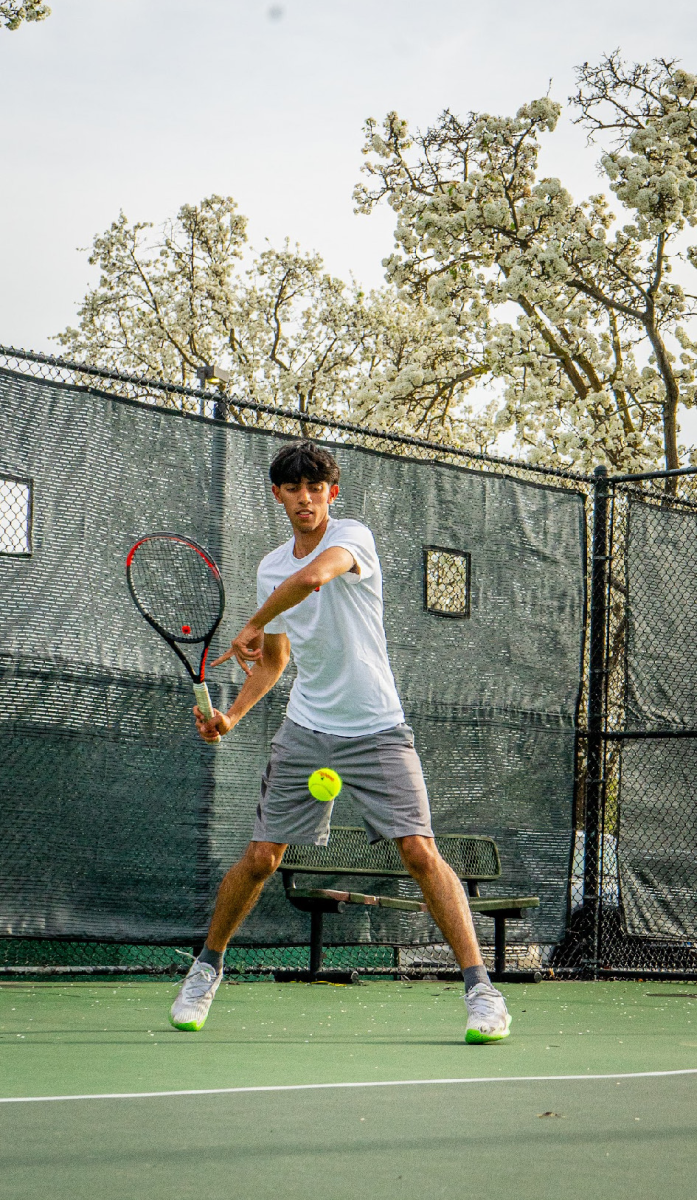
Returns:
(324, 784)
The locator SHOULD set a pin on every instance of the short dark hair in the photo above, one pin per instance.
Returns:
(304, 460)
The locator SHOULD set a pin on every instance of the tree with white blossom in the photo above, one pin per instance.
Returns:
(592, 369)
(169, 301)
(14, 14)
(602, 351)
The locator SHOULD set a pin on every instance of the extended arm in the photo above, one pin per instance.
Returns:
(249, 644)
(260, 679)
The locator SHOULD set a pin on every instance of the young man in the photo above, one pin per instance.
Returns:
(320, 597)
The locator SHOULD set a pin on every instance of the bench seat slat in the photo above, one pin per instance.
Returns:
(330, 894)
(503, 903)
(355, 898)
(402, 905)
(498, 904)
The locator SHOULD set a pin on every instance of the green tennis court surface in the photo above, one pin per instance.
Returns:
(499, 1132)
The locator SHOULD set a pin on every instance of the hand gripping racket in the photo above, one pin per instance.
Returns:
(177, 587)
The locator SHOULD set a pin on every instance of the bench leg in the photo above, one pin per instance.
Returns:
(499, 946)
(316, 955)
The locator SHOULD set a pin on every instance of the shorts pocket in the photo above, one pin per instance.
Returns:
(400, 735)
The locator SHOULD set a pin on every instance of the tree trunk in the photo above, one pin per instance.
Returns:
(670, 434)
(672, 397)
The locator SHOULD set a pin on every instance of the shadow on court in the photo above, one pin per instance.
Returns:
(608, 1139)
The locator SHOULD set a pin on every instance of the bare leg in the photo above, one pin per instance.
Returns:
(240, 890)
(444, 895)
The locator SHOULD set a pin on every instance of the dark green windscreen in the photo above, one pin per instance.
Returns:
(118, 822)
(657, 843)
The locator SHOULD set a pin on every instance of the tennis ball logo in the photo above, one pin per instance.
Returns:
(324, 784)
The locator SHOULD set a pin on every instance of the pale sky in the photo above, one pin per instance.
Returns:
(147, 104)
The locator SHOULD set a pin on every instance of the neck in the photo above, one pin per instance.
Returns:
(305, 542)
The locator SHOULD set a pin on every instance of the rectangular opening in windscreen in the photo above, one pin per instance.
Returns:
(15, 515)
(447, 581)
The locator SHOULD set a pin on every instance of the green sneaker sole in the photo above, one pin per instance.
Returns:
(188, 1026)
(474, 1038)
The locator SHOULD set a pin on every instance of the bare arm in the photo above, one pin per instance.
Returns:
(260, 679)
(249, 645)
(296, 588)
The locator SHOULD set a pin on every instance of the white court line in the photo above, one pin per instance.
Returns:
(313, 1087)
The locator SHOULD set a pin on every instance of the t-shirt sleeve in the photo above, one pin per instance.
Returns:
(264, 590)
(359, 542)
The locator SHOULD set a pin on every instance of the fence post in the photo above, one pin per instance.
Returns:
(221, 693)
(595, 772)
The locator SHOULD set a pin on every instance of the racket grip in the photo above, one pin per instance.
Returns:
(203, 701)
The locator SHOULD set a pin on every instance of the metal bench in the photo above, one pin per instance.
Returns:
(474, 859)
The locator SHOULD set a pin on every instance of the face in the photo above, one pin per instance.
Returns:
(306, 504)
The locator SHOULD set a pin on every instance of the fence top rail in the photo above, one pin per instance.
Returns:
(651, 475)
(325, 420)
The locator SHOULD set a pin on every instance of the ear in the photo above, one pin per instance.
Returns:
(333, 493)
(277, 493)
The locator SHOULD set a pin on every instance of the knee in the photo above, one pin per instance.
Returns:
(263, 858)
(419, 855)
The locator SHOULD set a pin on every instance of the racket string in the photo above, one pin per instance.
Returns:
(175, 586)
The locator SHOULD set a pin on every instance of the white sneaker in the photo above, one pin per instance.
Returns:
(488, 1017)
(195, 997)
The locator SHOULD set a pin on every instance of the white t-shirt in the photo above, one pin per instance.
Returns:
(344, 682)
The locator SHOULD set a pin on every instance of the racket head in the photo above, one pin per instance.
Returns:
(176, 585)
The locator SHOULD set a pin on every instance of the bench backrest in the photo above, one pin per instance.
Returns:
(349, 852)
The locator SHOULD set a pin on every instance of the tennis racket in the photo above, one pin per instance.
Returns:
(176, 586)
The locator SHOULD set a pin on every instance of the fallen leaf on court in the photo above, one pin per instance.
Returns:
(551, 1114)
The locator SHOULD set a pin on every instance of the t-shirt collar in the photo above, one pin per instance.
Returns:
(330, 522)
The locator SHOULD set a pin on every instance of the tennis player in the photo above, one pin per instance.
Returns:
(320, 598)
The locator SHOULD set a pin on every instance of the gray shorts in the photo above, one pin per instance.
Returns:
(382, 771)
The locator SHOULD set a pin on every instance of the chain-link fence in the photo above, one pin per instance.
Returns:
(447, 581)
(15, 515)
(636, 862)
(625, 770)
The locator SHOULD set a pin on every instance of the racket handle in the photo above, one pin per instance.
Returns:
(203, 701)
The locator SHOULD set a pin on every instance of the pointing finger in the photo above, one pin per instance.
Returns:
(223, 658)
